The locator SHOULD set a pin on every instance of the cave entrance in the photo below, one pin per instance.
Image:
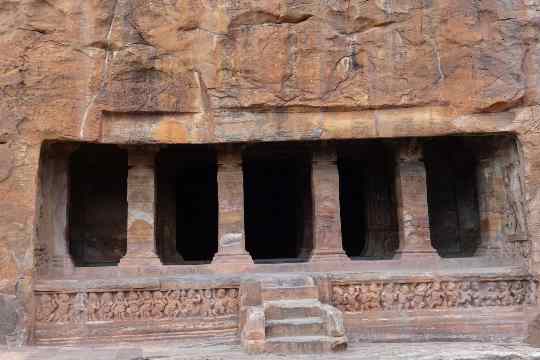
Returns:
(367, 200)
(187, 204)
(277, 193)
(97, 208)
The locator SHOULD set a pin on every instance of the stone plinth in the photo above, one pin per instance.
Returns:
(327, 242)
(141, 244)
(413, 216)
(231, 234)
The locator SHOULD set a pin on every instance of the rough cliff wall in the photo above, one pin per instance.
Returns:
(226, 70)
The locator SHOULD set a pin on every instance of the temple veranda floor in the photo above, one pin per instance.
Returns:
(218, 349)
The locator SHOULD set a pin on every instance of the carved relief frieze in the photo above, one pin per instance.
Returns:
(411, 296)
(132, 305)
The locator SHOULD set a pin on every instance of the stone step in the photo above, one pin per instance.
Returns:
(291, 309)
(295, 327)
(304, 344)
(290, 293)
(286, 281)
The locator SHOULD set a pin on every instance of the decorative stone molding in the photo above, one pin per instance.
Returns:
(132, 305)
(425, 295)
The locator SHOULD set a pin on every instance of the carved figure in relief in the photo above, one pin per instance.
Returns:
(173, 302)
(504, 296)
(106, 309)
(373, 297)
(452, 294)
(475, 293)
(46, 308)
(79, 308)
(221, 302)
(93, 307)
(338, 297)
(531, 293)
(518, 292)
(120, 306)
(63, 312)
(436, 297)
(404, 297)
(134, 303)
(419, 298)
(146, 305)
(349, 298)
(183, 305)
(465, 297)
(490, 296)
(388, 296)
(194, 300)
(207, 305)
(158, 305)
(362, 295)
(234, 301)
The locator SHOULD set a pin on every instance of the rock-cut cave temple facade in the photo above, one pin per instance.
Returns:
(292, 174)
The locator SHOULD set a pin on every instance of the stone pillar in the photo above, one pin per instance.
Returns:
(55, 188)
(491, 199)
(412, 205)
(141, 244)
(327, 243)
(231, 234)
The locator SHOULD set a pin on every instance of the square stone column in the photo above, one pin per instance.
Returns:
(327, 242)
(141, 242)
(56, 188)
(231, 234)
(412, 205)
(491, 203)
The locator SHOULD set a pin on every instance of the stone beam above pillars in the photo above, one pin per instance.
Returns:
(411, 196)
(141, 242)
(231, 234)
(327, 242)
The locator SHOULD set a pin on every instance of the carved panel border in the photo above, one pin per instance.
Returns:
(372, 296)
(135, 305)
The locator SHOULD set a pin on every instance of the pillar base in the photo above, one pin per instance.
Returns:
(417, 255)
(242, 258)
(147, 261)
(329, 256)
(489, 251)
(62, 264)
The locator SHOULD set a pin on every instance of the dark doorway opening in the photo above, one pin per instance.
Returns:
(367, 200)
(97, 205)
(187, 204)
(277, 193)
(452, 195)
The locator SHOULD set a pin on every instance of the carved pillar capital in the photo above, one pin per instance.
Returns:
(229, 156)
(409, 150)
(324, 154)
(142, 156)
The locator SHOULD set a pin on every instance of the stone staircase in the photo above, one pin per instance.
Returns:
(286, 316)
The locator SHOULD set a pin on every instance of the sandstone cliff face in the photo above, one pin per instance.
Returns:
(67, 67)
